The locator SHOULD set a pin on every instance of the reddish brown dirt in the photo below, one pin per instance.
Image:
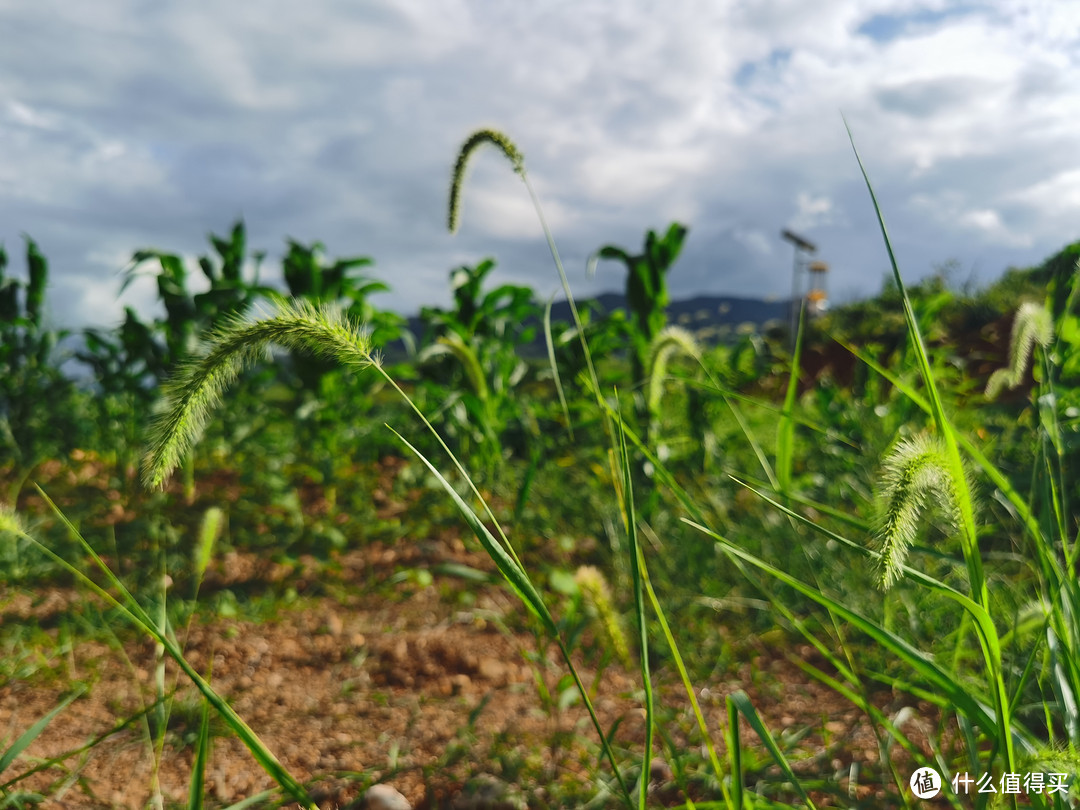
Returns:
(408, 685)
(351, 692)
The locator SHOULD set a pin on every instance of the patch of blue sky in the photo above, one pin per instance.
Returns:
(759, 79)
(750, 72)
(888, 27)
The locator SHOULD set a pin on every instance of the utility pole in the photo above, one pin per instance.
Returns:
(804, 249)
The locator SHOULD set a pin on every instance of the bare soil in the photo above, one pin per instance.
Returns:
(432, 689)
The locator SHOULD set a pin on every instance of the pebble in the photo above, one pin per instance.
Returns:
(384, 797)
(488, 793)
(660, 771)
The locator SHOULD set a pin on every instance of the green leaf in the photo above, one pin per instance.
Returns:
(512, 572)
(785, 432)
(742, 703)
(196, 790)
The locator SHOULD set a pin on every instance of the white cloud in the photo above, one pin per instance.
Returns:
(754, 240)
(951, 208)
(1062, 191)
(813, 212)
(339, 121)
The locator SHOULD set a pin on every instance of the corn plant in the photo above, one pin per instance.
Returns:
(35, 397)
(481, 337)
(187, 314)
(127, 362)
(646, 286)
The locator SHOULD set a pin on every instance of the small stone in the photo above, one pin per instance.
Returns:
(384, 797)
(491, 669)
(460, 683)
(659, 771)
(488, 793)
(334, 624)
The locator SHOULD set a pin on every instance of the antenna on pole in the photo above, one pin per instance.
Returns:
(804, 249)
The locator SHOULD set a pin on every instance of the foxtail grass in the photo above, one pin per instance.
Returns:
(478, 139)
(913, 473)
(1032, 325)
(597, 596)
(193, 393)
(669, 342)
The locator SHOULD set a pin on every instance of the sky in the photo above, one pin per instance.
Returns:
(146, 124)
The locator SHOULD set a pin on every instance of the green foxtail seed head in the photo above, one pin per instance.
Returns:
(1058, 763)
(197, 387)
(1032, 324)
(597, 596)
(477, 139)
(914, 471)
(668, 342)
(9, 521)
(454, 345)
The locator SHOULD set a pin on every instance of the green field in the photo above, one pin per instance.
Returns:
(255, 560)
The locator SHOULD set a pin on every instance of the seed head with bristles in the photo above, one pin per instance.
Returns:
(474, 142)
(196, 389)
(9, 520)
(597, 597)
(914, 471)
(669, 341)
(1032, 324)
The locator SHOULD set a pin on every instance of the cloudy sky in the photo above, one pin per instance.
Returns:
(138, 123)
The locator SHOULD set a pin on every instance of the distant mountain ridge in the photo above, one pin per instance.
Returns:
(709, 317)
(700, 312)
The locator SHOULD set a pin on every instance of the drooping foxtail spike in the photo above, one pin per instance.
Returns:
(474, 141)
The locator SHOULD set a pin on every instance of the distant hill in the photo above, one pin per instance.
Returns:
(709, 317)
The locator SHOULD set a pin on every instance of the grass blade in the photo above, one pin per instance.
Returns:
(734, 746)
(958, 693)
(665, 628)
(130, 608)
(637, 568)
(785, 431)
(741, 702)
(520, 583)
(509, 567)
(965, 502)
(937, 409)
(550, 343)
(202, 755)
